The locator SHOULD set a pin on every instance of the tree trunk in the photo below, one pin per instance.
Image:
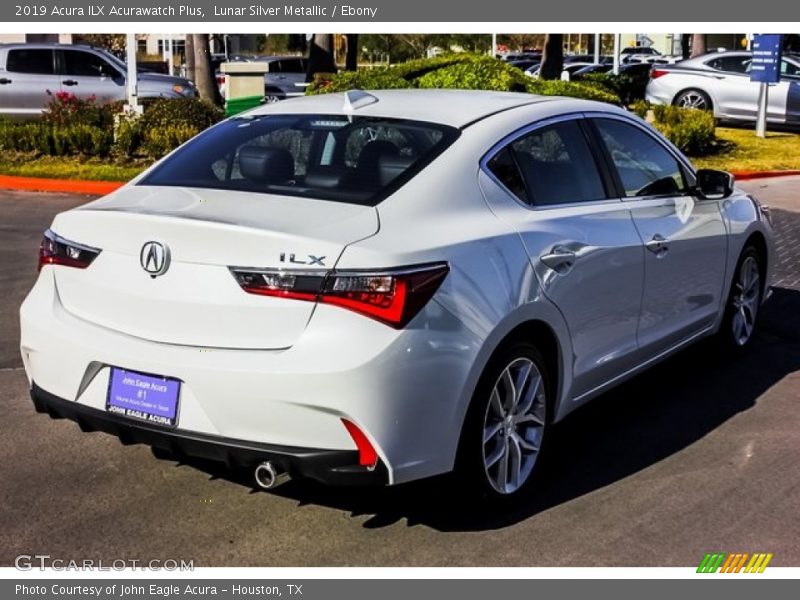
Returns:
(190, 57)
(320, 57)
(351, 64)
(698, 44)
(553, 56)
(686, 51)
(205, 78)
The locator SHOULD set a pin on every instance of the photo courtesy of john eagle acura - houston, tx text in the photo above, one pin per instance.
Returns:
(378, 287)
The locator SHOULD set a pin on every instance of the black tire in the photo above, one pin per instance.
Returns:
(740, 303)
(694, 98)
(473, 475)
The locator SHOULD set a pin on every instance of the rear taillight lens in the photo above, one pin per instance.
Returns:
(656, 73)
(55, 250)
(393, 296)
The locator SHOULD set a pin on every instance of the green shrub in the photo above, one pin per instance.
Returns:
(380, 78)
(457, 71)
(165, 112)
(45, 139)
(479, 73)
(572, 89)
(628, 87)
(691, 130)
(157, 142)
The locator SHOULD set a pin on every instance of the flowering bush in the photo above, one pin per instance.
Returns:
(65, 109)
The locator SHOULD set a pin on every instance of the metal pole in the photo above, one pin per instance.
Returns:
(494, 44)
(171, 60)
(596, 48)
(616, 54)
(761, 122)
(133, 93)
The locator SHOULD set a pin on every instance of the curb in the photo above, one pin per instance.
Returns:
(42, 184)
(101, 188)
(745, 175)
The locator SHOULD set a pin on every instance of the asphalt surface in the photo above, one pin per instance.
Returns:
(699, 454)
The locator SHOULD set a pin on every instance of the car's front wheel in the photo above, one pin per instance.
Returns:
(744, 301)
(503, 435)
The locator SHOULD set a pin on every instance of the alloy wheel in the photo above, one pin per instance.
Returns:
(746, 297)
(513, 426)
(693, 100)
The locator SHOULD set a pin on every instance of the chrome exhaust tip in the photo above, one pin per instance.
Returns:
(268, 477)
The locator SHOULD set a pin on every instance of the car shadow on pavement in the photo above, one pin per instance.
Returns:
(628, 429)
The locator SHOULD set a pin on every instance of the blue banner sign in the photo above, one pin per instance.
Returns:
(766, 65)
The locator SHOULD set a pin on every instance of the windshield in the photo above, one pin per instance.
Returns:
(359, 160)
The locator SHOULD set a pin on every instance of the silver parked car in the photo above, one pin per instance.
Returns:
(30, 73)
(388, 286)
(720, 81)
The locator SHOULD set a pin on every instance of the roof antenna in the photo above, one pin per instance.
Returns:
(355, 99)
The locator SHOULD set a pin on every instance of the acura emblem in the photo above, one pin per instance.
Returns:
(154, 258)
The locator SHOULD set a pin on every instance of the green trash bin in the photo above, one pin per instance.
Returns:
(236, 105)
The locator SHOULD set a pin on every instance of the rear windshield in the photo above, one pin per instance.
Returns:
(360, 160)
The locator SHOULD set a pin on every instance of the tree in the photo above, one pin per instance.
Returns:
(351, 63)
(553, 56)
(190, 74)
(698, 44)
(205, 78)
(320, 56)
(113, 42)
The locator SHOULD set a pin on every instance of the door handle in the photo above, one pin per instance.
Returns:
(657, 245)
(69, 82)
(560, 259)
(4, 81)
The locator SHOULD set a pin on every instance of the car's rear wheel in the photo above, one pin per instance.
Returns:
(504, 432)
(693, 99)
(744, 301)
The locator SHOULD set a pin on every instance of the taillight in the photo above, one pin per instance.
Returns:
(393, 296)
(55, 250)
(656, 73)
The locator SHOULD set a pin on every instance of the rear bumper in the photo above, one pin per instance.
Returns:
(334, 467)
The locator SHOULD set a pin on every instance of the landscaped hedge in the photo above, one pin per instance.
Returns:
(457, 71)
(691, 130)
(72, 126)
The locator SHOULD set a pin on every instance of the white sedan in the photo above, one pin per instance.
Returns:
(380, 287)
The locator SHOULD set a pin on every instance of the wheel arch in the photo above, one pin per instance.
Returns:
(696, 88)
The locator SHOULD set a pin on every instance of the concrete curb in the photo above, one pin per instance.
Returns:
(42, 184)
(101, 188)
(745, 175)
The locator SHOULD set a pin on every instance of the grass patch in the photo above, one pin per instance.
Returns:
(741, 150)
(70, 167)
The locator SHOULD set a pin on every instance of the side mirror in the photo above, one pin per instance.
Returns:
(714, 185)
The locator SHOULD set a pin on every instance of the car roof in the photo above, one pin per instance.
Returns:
(456, 108)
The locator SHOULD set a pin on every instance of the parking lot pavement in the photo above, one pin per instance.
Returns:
(782, 195)
(698, 454)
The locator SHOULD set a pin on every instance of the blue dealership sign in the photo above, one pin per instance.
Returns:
(766, 65)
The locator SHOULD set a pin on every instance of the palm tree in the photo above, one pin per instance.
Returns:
(320, 56)
(205, 78)
(553, 56)
(698, 44)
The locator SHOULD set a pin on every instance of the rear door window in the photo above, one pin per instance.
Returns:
(33, 61)
(554, 164)
(359, 160)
